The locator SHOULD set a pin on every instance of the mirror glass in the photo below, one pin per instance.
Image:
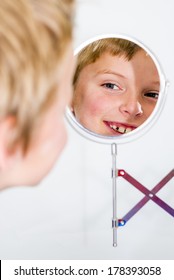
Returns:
(118, 87)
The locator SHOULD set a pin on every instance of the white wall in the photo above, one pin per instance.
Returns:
(69, 215)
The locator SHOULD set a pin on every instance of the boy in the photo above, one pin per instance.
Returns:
(116, 86)
(36, 68)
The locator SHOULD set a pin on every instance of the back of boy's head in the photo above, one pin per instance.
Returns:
(34, 35)
(113, 46)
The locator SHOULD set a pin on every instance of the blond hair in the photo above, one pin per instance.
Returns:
(113, 46)
(34, 35)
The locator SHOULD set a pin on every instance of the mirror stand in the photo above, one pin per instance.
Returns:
(115, 173)
(114, 193)
(96, 66)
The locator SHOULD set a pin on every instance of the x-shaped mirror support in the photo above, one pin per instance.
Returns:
(149, 195)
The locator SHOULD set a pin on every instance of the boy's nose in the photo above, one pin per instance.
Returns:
(131, 108)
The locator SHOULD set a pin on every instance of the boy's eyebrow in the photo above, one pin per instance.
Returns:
(107, 71)
(155, 84)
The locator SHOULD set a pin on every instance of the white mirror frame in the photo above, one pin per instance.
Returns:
(143, 128)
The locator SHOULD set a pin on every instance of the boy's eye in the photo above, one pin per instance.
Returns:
(111, 86)
(153, 95)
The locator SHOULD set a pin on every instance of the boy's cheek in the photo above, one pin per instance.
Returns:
(97, 106)
(49, 149)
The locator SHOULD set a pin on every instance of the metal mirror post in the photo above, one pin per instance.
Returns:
(114, 193)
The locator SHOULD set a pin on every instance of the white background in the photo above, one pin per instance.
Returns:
(69, 215)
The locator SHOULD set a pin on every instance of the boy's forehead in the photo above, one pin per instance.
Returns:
(139, 66)
(105, 57)
(140, 59)
(108, 63)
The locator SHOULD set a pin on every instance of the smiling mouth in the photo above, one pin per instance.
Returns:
(120, 127)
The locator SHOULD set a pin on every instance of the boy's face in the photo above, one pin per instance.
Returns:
(114, 96)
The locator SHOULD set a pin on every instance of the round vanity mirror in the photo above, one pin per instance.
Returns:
(118, 89)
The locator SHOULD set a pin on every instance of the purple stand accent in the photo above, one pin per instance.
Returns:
(149, 194)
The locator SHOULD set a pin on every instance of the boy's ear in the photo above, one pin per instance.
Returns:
(7, 156)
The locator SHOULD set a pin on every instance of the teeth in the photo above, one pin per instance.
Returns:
(120, 129)
(128, 130)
